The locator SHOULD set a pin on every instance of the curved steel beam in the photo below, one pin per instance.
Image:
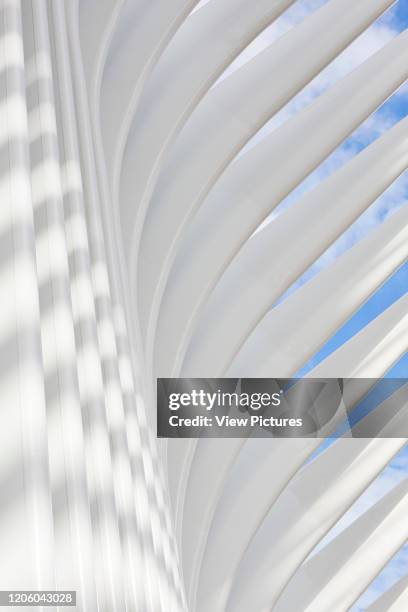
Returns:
(330, 580)
(202, 49)
(385, 246)
(231, 114)
(268, 263)
(237, 518)
(320, 319)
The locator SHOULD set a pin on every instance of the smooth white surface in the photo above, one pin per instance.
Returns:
(215, 34)
(328, 300)
(86, 496)
(235, 110)
(268, 263)
(370, 541)
(237, 517)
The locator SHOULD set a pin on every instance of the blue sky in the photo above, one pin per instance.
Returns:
(376, 36)
(394, 21)
(391, 23)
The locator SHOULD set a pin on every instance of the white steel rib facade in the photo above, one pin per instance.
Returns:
(133, 246)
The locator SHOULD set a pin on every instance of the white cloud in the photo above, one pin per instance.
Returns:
(373, 39)
(368, 43)
(389, 478)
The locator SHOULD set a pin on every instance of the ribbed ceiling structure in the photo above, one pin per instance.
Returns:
(134, 245)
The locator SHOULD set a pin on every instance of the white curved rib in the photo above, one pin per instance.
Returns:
(323, 302)
(268, 263)
(99, 195)
(381, 342)
(237, 518)
(202, 49)
(196, 473)
(97, 20)
(233, 236)
(334, 578)
(229, 119)
(394, 599)
(194, 58)
(320, 319)
(309, 506)
(324, 309)
(159, 589)
(143, 30)
(88, 497)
